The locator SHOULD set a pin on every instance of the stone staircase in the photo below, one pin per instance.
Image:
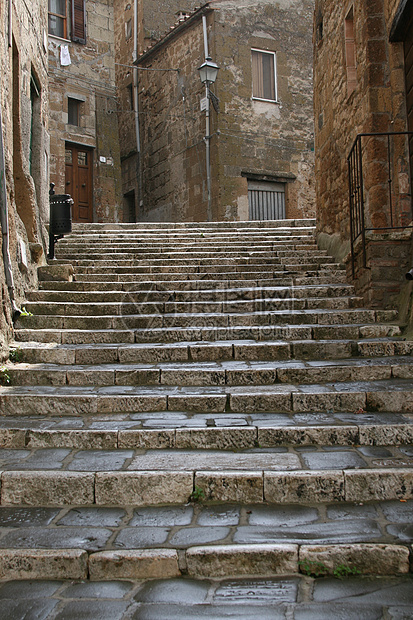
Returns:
(207, 400)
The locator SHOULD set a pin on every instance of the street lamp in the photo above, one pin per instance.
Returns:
(208, 72)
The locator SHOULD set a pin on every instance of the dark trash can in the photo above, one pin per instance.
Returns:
(60, 214)
(60, 222)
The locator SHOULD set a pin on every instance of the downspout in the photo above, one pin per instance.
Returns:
(136, 101)
(4, 218)
(207, 128)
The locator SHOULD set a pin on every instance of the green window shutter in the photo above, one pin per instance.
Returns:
(78, 21)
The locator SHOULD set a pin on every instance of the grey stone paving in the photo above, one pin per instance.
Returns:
(95, 528)
(288, 598)
(311, 458)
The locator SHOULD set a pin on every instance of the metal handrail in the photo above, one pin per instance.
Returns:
(356, 167)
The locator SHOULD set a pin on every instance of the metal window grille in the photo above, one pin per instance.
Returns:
(266, 201)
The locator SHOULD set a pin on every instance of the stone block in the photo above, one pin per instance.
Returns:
(304, 486)
(220, 438)
(146, 439)
(134, 564)
(309, 435)
(378, 484)
(12, 438)
(230, 486)
(328, 401)
(46, 488)
(131, 403)
(241, 560)
(390, 400)
(47, 273)
(214, 403)
(143, 488)
(254, 401)
(79, 439)
(43, 564)
(369, 559)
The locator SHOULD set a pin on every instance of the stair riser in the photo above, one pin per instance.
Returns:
(224, 400)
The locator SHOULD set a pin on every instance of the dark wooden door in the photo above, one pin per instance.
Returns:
(79, 182)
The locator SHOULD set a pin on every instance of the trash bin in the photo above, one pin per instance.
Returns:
(60, 214)
(60, 222)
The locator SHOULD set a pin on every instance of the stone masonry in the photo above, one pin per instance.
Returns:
(207, 401)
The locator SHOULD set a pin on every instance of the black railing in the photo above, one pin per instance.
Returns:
(379, 186)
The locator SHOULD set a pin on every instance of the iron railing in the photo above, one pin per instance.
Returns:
(379, 186)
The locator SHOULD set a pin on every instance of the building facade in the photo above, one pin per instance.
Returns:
(24, 156)
(261, 118)
(85, 157)
(363, 108)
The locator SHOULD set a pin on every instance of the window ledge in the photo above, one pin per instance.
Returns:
(56, 38)
(276, 101)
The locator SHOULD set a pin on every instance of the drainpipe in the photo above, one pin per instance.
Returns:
(4, 218)
(136, 102)
(207, 128)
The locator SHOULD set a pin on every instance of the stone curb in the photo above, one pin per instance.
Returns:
(255, 560)
(151, 488)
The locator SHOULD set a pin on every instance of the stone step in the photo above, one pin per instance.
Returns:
(188, 431)
(152, 250)
(142, 590)
(198, 266)
(59, 477)
(122, 254)
(216, 341)
(132, 306)
(185, 285)
(232, 531)
(141, 295)
(125, 366)
(394, 395)
(278, 277)
(203, 320)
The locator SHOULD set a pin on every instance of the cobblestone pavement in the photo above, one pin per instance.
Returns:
(287, 598)
(182, 527)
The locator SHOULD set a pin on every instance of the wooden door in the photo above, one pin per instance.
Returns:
(79, 182)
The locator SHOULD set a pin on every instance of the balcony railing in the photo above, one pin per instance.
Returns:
(379, 186)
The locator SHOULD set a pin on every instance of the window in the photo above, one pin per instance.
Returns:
(350, 52)
(58, 18)
(266, 200)
(263, 75)
(73, 111)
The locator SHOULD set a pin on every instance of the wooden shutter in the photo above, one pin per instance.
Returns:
(78, 21)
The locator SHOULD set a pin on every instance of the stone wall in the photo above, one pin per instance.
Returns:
(372, 100)
(90, 79)
(269, 141)
(24, 110)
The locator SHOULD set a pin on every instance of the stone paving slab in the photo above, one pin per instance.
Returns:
(282, 598)
(195, 524)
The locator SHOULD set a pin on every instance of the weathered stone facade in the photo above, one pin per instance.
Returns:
(252, 139)
(24, 114)
(87, 84)
(359, 88)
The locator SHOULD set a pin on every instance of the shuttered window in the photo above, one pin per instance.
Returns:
(266, 200)
(78, 21)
